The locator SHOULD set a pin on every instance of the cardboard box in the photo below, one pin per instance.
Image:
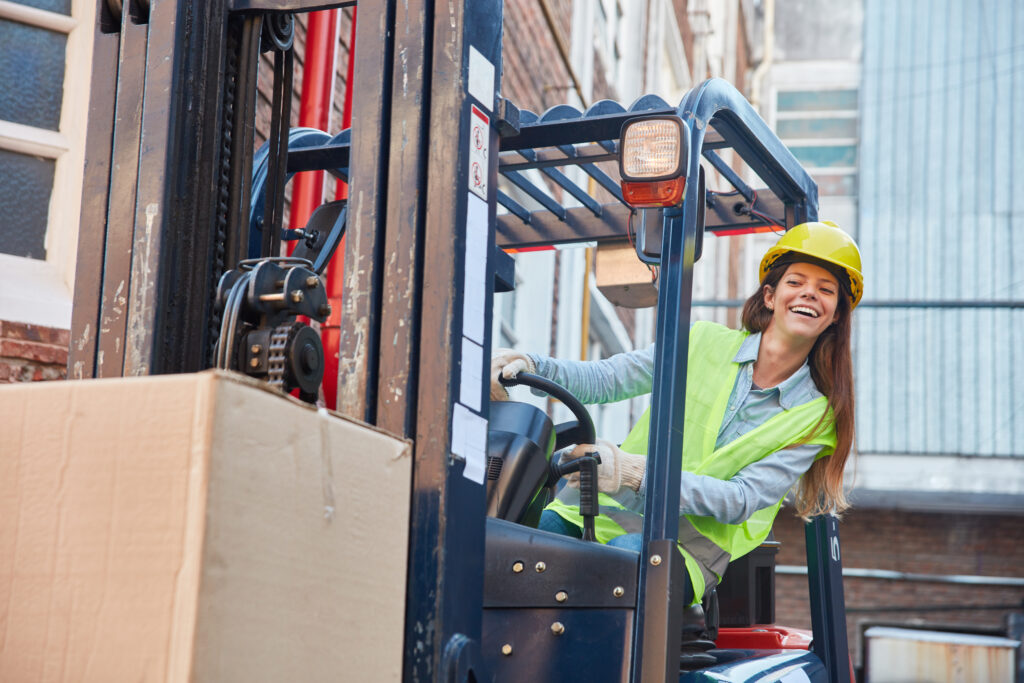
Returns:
(197, 528)
(622, 277)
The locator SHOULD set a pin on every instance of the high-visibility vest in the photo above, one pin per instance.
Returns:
(706, 544)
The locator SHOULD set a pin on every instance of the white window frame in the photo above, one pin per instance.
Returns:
(809, 76)
(32, 290)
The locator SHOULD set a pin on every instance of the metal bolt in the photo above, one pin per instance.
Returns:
(254, 363)
(256, 348)
(540, 567)
(297, 296)
(561, 596)
(618, 591)
(517, 567)
(312, 281)
(655, 560)
(324, 310)
(557, 628)
(506, 649)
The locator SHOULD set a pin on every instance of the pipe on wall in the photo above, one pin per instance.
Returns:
(888, 575)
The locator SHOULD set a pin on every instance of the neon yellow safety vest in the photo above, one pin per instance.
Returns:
(708, 545)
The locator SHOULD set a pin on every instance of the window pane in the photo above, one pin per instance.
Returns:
(817, 128)
(60, 6)
(24, 203)
(836, 185)
(31, 75)
(826, 155)
(810, 100)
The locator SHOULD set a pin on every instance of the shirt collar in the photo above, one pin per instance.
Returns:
(795, 390)
(748, 349)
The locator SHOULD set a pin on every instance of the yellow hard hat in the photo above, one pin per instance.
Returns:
(824, 241)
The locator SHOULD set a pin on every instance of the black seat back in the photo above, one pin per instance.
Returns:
(521, 439)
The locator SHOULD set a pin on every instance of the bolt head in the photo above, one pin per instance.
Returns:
(561, 596)
(618, 591)
(655, 560)
(558, 628)
(312, 281)
(506, 649)
(254, 363)
(256, 348)
(297, 295)
(324, 310)
(309, 359)
(540, 566)
(517, 567)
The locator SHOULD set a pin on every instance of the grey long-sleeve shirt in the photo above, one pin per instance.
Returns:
(756, 486)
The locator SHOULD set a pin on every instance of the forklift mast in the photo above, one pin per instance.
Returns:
(168, 210)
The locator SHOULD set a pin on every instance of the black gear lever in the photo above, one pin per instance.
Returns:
(589, 505)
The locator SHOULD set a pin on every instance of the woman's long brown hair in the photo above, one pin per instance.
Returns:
(821, 488)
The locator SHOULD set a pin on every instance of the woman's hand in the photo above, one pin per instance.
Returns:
(507, 363)
(617, 469)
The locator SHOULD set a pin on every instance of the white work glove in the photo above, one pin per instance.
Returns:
(617, 469)
(507, 363)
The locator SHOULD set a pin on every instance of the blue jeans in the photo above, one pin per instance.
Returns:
(553, 522)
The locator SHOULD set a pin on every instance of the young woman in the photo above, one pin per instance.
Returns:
(766, 407)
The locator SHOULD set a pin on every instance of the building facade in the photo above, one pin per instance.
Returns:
(904, 113)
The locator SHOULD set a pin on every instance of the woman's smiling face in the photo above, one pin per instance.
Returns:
(804, 302)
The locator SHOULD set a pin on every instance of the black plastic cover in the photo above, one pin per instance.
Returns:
(520, 441)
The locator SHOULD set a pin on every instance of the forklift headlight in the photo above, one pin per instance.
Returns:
(652, 161)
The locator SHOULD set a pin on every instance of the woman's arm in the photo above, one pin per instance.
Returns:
(756, 486)
(616, 378)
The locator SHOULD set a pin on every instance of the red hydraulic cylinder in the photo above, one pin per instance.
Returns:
(330, 331)
(318, 76)
(315, 106)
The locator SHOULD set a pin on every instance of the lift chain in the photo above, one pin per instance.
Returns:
(276, 354)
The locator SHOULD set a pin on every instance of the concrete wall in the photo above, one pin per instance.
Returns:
(818, 29)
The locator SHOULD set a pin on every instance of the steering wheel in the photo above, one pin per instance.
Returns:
(579, 431)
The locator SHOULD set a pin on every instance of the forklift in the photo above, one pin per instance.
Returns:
(180, 270)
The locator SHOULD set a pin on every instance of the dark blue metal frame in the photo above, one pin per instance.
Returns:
(715, 116)
(717, 103)
(828, 611)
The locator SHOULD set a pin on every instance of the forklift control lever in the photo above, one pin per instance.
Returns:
(589, 505)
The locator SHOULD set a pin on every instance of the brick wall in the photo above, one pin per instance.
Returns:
(916, 543)
(29, 353)
(265, 86)
(533, 75)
